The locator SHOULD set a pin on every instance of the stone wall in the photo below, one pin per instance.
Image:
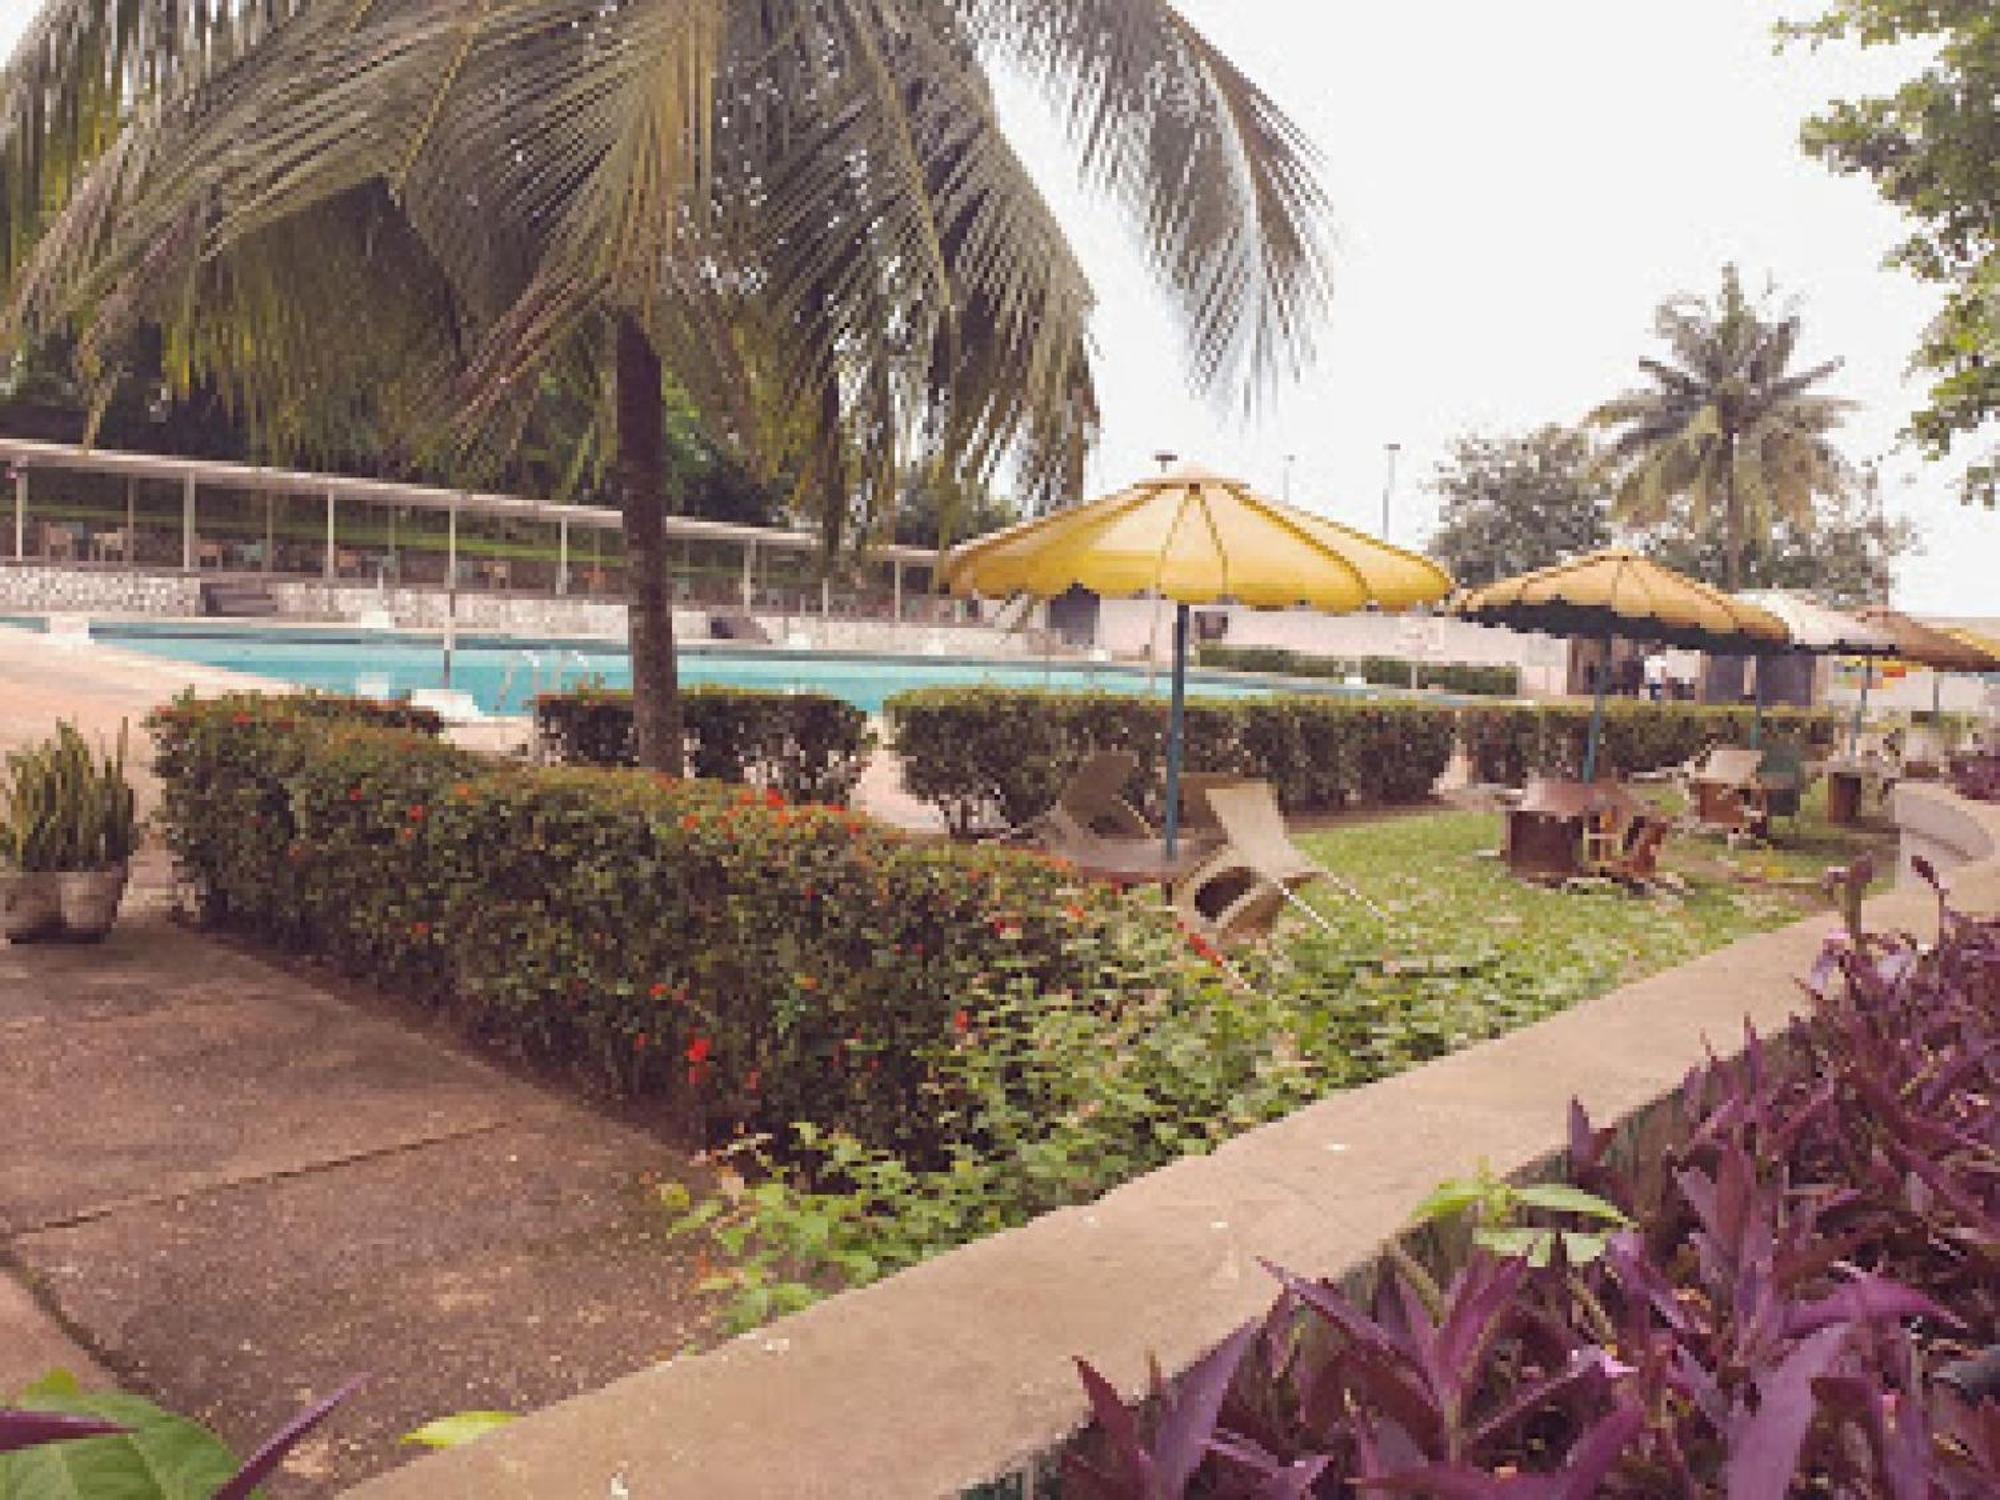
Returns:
(37, 589)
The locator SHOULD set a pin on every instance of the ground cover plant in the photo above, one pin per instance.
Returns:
(1798, 1295)
(1065, 1096)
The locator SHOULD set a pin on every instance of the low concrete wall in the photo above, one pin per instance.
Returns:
(35, 589)
(1938, 825)
(959, 1371)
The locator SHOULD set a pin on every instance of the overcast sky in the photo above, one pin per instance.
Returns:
(1517, 183)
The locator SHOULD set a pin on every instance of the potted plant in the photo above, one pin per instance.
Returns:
(31, 834)
(71, 827)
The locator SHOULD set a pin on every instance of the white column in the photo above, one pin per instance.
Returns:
(329, 537)
(21, 511)
(825, 597)
(562, 555)
(451, 547)
(270, 532)
(749, 576)
(187, 523)
(131, 552)
(896, 593)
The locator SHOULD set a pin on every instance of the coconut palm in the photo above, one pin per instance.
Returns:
(805, 209)
(1727, 429)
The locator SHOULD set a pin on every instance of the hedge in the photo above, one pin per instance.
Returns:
(1505, 745)
(809, 747)
(990, 758)
(754, 962)
(1382, 671)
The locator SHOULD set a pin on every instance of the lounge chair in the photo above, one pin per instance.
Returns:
(1092, 806)
(1238, 892)
(1726, 795)
(1622, 840)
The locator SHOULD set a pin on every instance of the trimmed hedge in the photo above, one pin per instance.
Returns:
(990, 758)
(1505, 746)
(1382, 671)
(755, 962)
(808, 747)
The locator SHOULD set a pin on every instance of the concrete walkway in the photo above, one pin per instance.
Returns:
(235, 1187)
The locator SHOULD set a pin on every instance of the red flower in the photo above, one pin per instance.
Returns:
(241, 721)
(354, 794)
(640, 1042)
(416, 814)
(807, 982)
(753, 1081)
(773, 799)
(658, 992)
(1074, 912)
(700, 1050)
(420, 929)
(962, 1022)
(690, 822)
(1204, 948)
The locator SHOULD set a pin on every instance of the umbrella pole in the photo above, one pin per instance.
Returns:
(1176, 729)
(1597, 717)
(1861, 708)
(1757, 723)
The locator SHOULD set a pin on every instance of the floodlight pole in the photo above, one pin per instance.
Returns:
(1176, 726)
(1389, 484)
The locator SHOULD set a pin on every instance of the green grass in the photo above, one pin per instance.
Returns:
(1471, 951)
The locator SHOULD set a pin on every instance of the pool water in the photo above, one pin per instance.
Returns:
(504, 674)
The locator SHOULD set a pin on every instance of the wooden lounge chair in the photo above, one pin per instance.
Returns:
(1725, 794)
(1092, 806)
(1623, 838)
(1238, 892)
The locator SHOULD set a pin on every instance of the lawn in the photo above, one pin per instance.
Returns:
(1471, 951)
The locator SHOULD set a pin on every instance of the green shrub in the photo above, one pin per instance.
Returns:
(1382, 671)
(990, 758)
(758, 963)
(809, 747)
(1506, 745)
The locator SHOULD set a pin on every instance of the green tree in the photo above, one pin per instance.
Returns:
(805, 209)
(1847, 557)
(1932, 149)
(1513, 504)
(1726, 436)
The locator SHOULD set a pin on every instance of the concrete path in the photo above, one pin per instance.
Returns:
(235, 1187)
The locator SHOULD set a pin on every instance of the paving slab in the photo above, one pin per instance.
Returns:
(501, 1271)
(161, 1062)
(231, 1187)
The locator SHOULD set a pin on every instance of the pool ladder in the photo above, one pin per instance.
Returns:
(556, 663)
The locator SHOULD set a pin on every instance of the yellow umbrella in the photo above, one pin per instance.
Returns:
(1618, 592)
(1197, 538)
(1924, 646)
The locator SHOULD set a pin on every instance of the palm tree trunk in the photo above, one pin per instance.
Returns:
(1732, 523)
(642, 497)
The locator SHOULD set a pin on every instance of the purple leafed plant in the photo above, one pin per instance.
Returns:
(1808, 1302)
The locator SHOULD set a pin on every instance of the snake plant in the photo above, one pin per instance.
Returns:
(62, 807)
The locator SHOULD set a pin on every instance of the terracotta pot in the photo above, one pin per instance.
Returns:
(30, 906)
(89, 900)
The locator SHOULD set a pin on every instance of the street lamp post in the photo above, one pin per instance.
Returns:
(1389, 484)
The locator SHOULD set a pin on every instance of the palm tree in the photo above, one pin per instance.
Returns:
(1727, 428)
(805, 209)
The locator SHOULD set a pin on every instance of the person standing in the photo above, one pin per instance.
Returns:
(1656, 674)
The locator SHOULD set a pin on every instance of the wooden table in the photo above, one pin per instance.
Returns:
(1545, 828)
(1140, 861)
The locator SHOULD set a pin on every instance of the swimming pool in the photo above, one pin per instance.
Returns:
(503, 673)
